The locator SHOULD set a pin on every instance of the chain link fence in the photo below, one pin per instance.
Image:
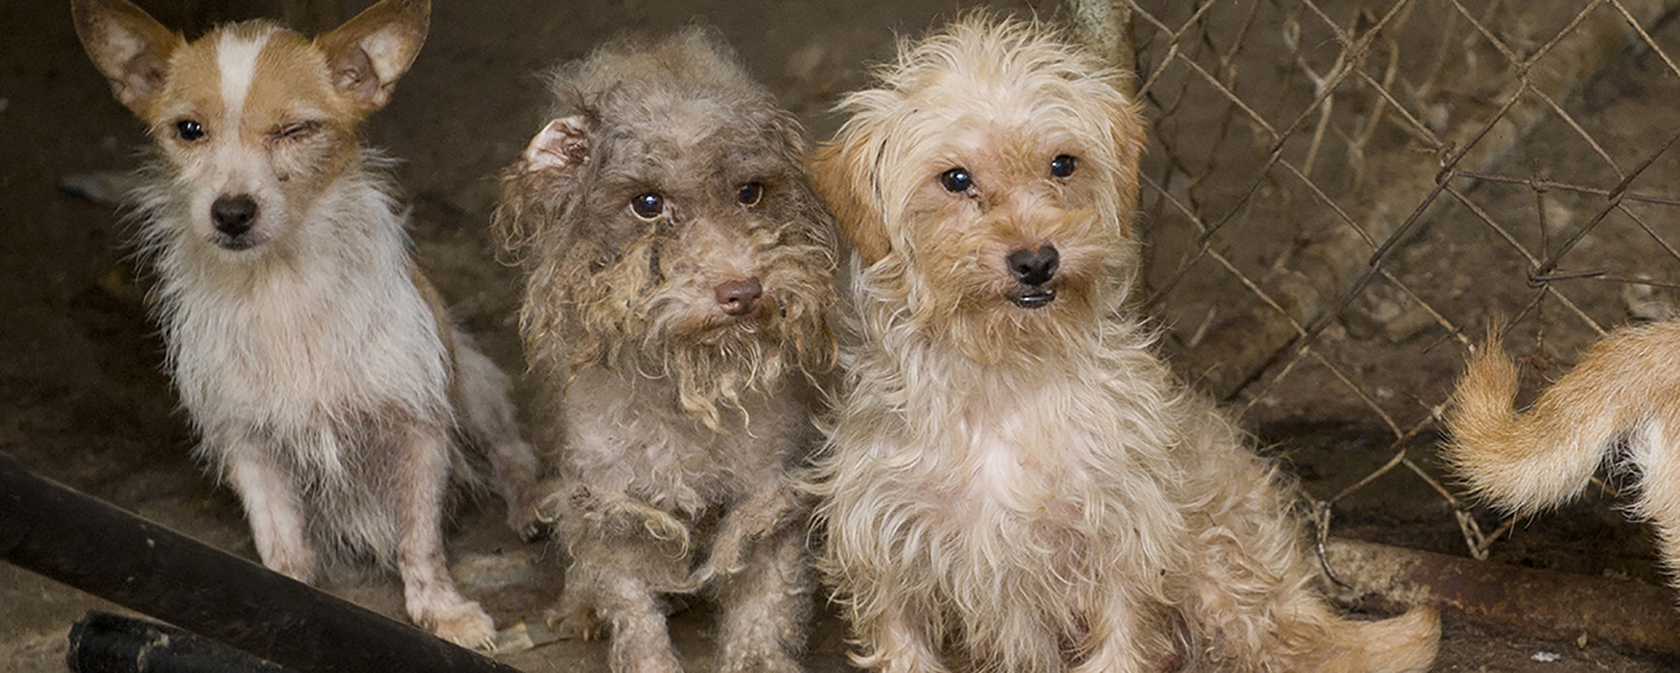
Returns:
(1359, 185)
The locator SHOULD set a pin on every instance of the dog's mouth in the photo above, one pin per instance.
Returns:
(235, 243)
(1037, 296)
(719, 325)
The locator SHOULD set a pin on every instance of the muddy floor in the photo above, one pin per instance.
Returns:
(82, 399)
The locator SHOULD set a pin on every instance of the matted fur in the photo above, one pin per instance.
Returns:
(315, 360)
(1626, 391)
(684, 429)
(1029, 489)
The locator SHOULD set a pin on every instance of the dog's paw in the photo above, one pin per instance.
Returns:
(528, 523)
(771, 661)
(465, 624)
(726, 556)
(580, 624)
(653, 661)
(658, 523)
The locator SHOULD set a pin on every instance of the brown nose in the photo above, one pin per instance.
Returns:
(739, 296)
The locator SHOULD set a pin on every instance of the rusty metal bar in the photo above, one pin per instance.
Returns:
(1539, 603)
(84, 542)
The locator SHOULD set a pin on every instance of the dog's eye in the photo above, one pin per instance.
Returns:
(648, 206)
(296, 131)
(189, 130)
(1063, 165)
(956, 180)
(750, 193)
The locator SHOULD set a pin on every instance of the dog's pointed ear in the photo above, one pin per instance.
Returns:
(369, 53)
(844, 172)
(561, 145)
(128, 46)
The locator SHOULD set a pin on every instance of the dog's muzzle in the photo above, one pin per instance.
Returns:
(1034, 271)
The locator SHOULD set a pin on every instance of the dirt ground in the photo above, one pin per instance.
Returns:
(82, 399)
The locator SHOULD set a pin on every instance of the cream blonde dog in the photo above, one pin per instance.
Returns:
(1626, 388)
(1015, 482)
(332, 390)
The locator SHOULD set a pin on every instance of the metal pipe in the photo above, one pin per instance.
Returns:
(105, 643)
(98, 548)
(1534, 603)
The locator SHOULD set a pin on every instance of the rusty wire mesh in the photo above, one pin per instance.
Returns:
(1360, 184)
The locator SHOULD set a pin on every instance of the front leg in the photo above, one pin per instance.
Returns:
(613, 582)
(433, 601)
(767, 607)
(892, 636)
(487, 418)
(771, 508)
(1118, 636)
(273, 505)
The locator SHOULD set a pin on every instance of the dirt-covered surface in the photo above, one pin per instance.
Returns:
(82, 399)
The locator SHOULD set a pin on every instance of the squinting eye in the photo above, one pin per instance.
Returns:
(956, 180)
(750, 193)
(1063, 165)
(647, 206)
(189, 130)
(296, 131)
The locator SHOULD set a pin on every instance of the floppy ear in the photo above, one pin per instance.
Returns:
(844, 170)
(369, 53)
(561, 146)
(128, 46)
(1127, 132)
(535, 187)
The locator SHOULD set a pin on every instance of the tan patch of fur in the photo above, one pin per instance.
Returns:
(291, 86)
(440, 318)
(193, 89)
(1623, 390)
(1029, 489)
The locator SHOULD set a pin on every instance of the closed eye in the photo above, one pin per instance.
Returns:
(295, 130)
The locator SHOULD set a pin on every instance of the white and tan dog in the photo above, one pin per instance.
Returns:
(1015, 482)
(314, 357)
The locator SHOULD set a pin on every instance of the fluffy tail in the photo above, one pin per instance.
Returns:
(1404, 644)
(1527, 462)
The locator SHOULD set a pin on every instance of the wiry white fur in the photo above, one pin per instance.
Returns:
(295, 350)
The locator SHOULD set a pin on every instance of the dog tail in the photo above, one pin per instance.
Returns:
(1404, 644)
(1625, 386)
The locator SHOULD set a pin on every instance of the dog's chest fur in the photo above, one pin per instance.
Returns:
(627, 434)
(1049, 476)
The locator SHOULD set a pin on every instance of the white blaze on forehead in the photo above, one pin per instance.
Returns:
(236, 56)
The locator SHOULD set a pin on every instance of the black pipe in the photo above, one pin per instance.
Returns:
(105, 643)
(98, 548)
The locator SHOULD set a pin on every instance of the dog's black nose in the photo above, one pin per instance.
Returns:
(1033, 268)
(233, 215)
(739, 296)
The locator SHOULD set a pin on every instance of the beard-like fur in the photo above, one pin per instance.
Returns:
(629, 315)
(677, 344)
